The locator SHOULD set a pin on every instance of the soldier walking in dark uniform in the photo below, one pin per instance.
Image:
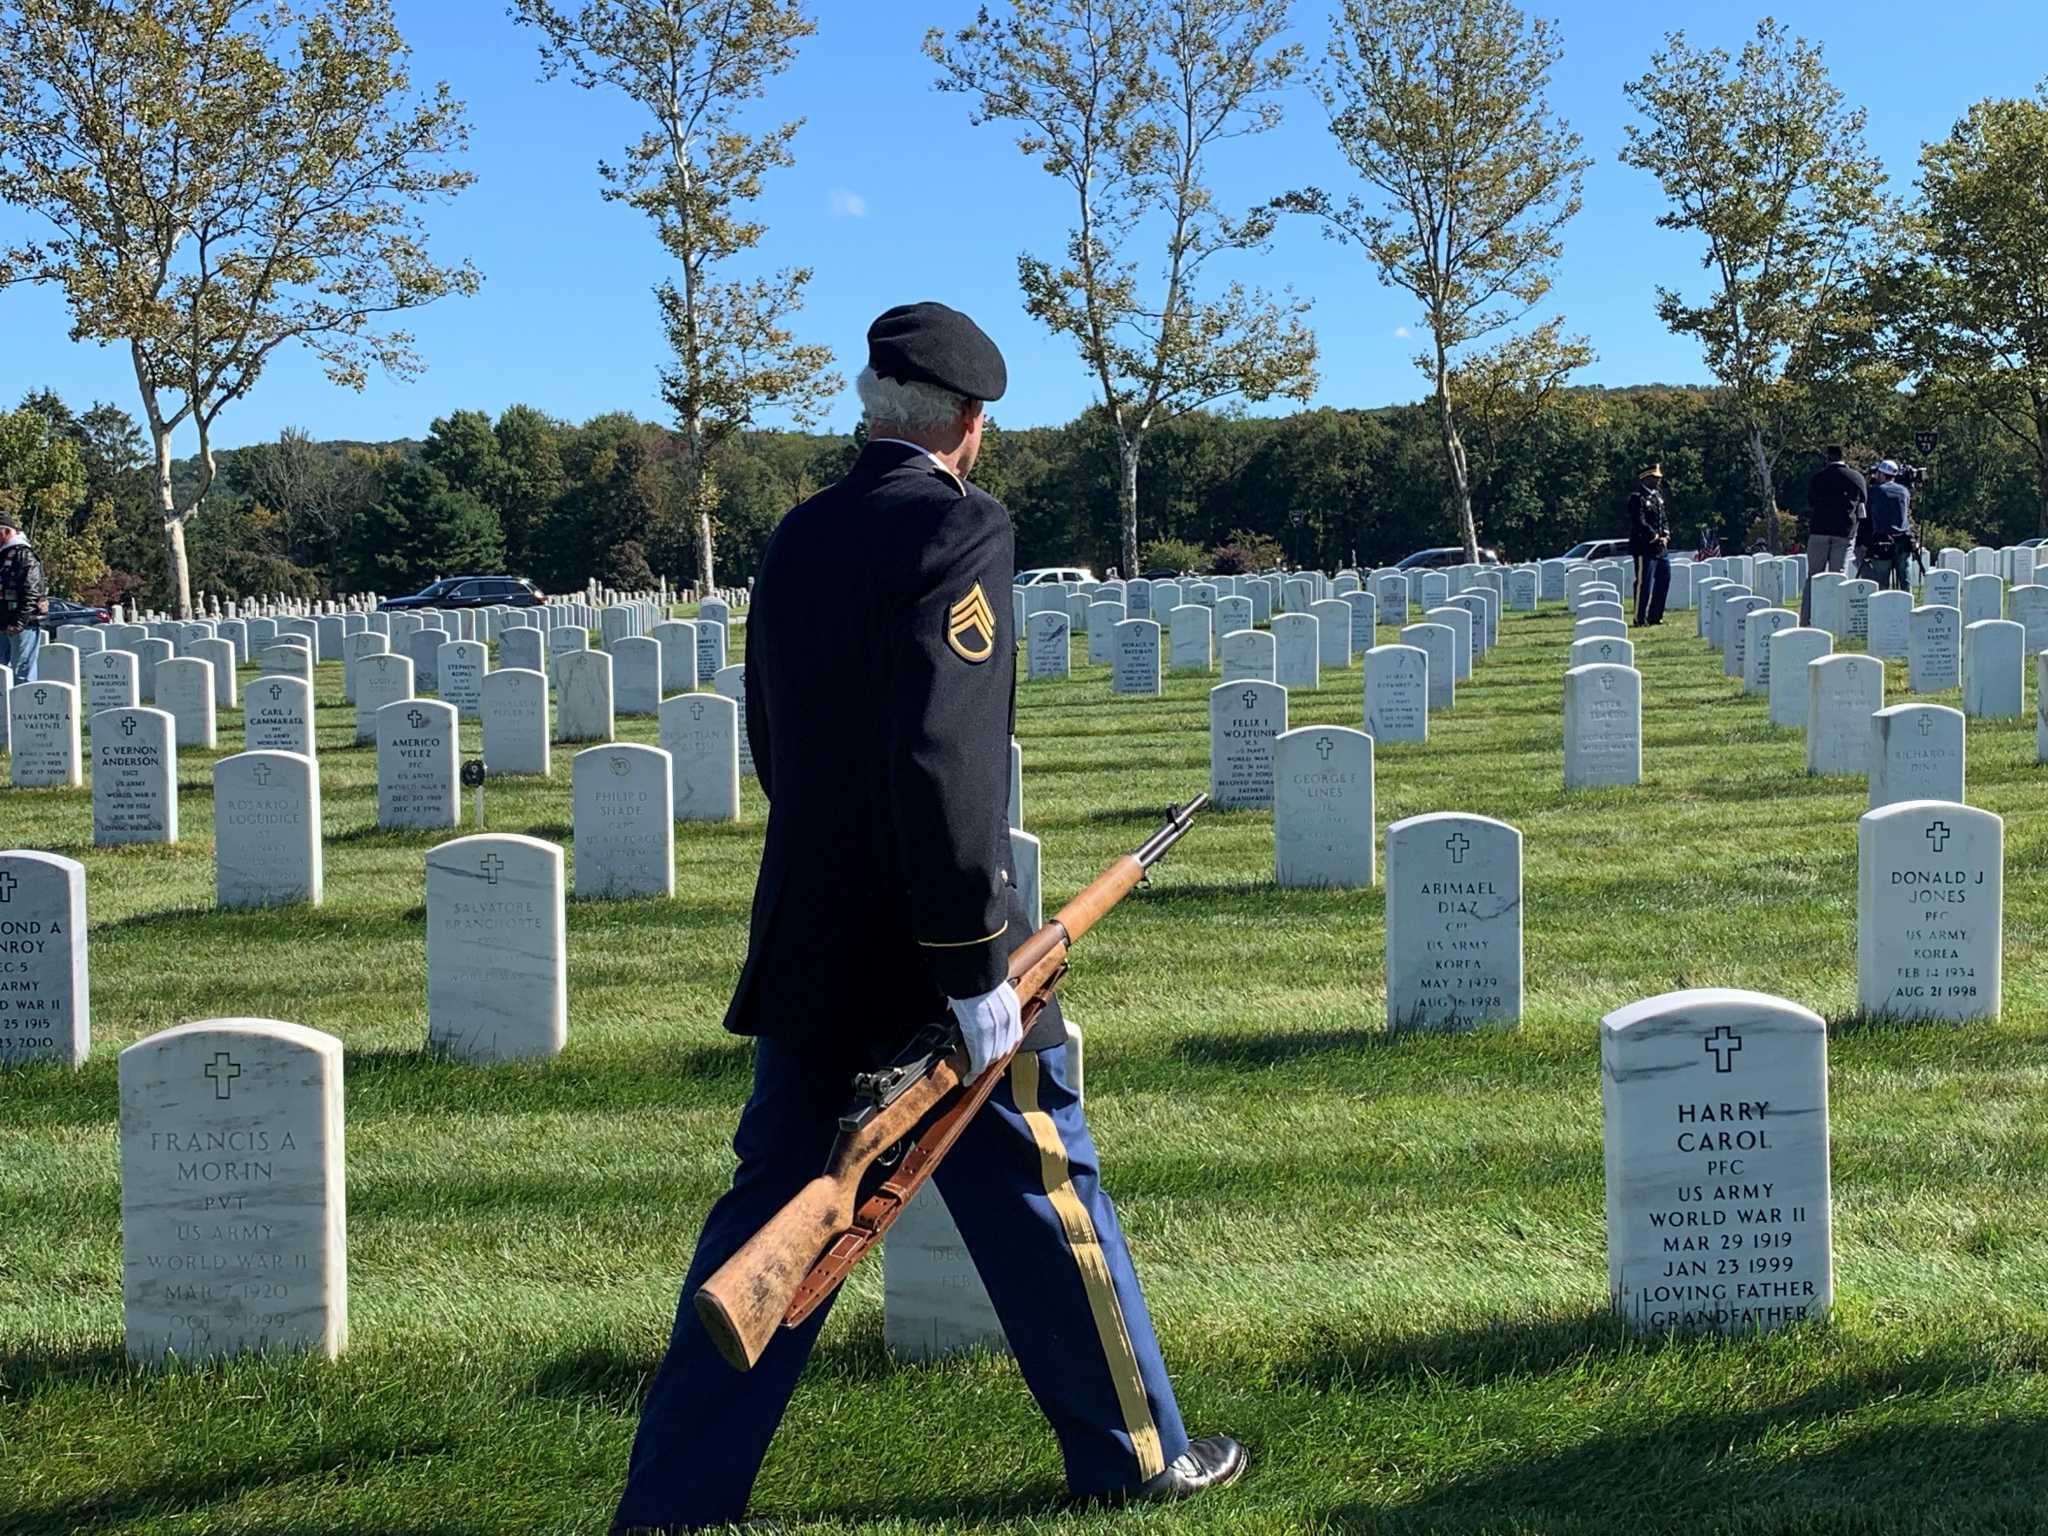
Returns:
(1649, 540)
(881, 671)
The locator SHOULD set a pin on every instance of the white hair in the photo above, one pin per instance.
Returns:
(908, 403)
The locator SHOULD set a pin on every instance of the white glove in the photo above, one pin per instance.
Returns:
(991, 1025)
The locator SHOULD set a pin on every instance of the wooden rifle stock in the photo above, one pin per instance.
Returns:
(906, 1119)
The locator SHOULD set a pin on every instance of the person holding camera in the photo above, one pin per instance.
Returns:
(1834, 506)
(1885, 550)
(1649, 540)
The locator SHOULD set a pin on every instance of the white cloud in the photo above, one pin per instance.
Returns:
(1402, 333)
(844, 204)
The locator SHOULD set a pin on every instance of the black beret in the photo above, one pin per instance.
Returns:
(932, 344)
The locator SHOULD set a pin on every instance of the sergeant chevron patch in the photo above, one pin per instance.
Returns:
(971, 627)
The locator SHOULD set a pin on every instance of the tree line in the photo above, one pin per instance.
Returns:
(225, 178)
(612, 498)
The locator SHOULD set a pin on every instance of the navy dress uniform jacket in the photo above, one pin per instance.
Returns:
(881, 673)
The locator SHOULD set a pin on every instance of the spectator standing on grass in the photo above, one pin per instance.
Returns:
(24, 601)
(1649, 540)
(1834, 502)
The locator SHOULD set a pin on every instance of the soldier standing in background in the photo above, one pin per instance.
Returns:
(1649, 540)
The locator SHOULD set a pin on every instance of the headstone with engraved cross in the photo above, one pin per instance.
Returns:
(1715, 1104)
(1454, 922)
(1323, 829)
(134, 777)
(233, 1224)
(1916, 753)
(416, 741)
(266, 830)
(46, 1005)
(277, 714)
(1930, 911)
(43, 736)
(701, 734)
(497, 969)
(1245, 719)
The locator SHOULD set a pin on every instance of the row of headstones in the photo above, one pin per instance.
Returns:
(1837, 698)
(267, 798)
(233, 1183)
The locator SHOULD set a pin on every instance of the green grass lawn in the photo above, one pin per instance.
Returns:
(1380, 1262)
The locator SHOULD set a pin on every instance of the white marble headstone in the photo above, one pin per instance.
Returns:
(1715, 1104)
(1916, 753)
(46, 1004)
(134, 777)
(623, 799)
(1929, 911)
(416, 748)
(583, 696)
(267, 848)
(497, 967)
(1323, 832)
(277, 715)
(1603, 726)
(1454, 922)
(1842, 693)
(233, 1211)
(1397, 693)
(514, 706)
(1245, 719)
(701, 734)
(1135, 667)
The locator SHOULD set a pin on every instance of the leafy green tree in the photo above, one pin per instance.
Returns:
(1440, 107)
(529, 446)
(1762, 158)
(423, 528)
(1972, 295)
(1123, 101)
(691, 65)
(223, 177)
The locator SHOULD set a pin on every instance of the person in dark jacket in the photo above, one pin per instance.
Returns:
(1884, 552)
(881, 675)
(1834, 506)
(1649, 540)
(24, 601)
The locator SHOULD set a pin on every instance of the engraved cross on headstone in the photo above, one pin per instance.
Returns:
(1926, 725)
(276, 692)
(415, 719)
(1248, 698)
(1457, 843)
(261, 773)
(7, 885)
(490, 865)
(1722, 1045)
(127, 725)
(1324, 747)
(223, 1069)
(1938, 835)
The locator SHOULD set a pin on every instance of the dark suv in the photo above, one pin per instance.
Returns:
(469, 592)
(64, 611)
(1434, 559)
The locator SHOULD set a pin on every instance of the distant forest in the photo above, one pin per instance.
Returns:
(563, 503)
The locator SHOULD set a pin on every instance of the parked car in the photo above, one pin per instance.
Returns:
(469, 592)
(2034, 543)
(1598, 549)
(64, 611)
(1052, 575)
(1432, 559)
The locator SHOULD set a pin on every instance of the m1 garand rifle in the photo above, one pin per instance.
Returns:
(904, 1118)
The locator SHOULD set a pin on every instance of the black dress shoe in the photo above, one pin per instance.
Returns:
(1216, 1461)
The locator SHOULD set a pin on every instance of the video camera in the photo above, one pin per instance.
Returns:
(1910, 475)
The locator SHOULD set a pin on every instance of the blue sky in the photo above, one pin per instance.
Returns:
(895, 197)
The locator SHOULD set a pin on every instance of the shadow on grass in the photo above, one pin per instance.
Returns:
(1332, 1360)
(1731, 1471)
(161, 1493)
(25, 1372)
